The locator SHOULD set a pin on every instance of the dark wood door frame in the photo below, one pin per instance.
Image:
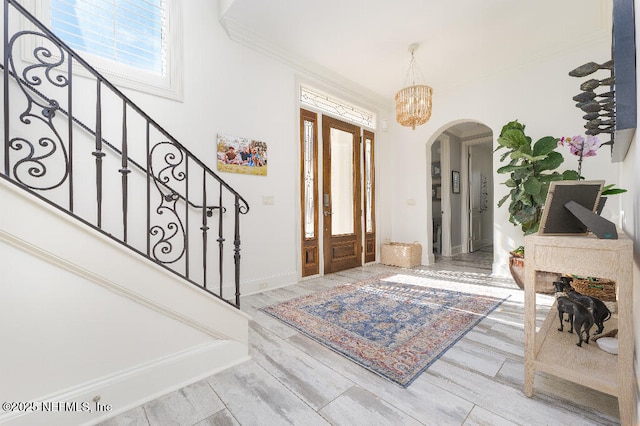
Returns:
(309, 188)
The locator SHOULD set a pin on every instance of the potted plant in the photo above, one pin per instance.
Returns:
(531, 168)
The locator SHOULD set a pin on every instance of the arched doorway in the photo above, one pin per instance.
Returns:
(462, 189)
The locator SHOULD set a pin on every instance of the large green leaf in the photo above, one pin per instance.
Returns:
(516, 155)
(510, 168)
(552, 162)
(512, 125)
(523, 173)
(613, 191)
(532, 186)
(569, 175)
(503, 200)
(516, 140)
(549, 177)
(545, 145)
(540, 198)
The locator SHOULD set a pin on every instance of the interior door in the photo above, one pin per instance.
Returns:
(341, 196)
(475, 208)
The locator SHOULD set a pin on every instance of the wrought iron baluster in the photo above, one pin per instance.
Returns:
(204, 228)
(7, 165)
(98, 154)
(125, 173)
(149, 177)
(220, 239)
(236, 249)
(186, 217)
(70, 128)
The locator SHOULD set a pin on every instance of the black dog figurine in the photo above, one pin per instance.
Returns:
(597, 307)
(579, 317)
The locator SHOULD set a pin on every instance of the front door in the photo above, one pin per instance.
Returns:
(341, 196)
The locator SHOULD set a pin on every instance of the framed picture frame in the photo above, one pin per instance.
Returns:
(455, 181)
(556, 219)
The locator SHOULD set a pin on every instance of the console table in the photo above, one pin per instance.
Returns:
(555, 352)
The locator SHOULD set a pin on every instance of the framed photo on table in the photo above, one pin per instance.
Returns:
(455, 181)
(556, 218)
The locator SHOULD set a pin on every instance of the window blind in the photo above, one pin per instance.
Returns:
(130, 32)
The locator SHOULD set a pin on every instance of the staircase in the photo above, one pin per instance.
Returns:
(119, 283)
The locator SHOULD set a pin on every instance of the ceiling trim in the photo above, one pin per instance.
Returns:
(242, 35)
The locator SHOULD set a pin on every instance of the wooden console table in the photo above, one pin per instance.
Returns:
(555, 352)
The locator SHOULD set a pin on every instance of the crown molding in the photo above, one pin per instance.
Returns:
(245, 37)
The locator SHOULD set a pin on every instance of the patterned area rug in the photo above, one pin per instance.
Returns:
(393, 329)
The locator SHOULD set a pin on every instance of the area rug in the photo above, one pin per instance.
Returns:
(395, 330)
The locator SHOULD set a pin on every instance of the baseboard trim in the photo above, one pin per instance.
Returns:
(133, 387)
(271, 282)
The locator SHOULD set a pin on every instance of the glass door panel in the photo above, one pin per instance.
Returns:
(341, 182)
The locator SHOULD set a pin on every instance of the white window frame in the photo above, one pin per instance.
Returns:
(169, 85)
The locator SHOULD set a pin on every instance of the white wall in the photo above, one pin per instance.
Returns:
(538, 95)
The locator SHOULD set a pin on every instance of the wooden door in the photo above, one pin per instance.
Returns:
(341, 196)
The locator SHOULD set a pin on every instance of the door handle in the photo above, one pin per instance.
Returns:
(327, 213)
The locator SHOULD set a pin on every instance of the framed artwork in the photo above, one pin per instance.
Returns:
(455, 181)
(435, 169)
(240, 155)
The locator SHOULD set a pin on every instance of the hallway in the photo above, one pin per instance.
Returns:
(291, 379)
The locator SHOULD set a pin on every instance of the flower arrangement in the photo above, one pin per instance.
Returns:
(587, 147)
(582, 147)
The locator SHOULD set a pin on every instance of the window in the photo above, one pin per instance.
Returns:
(338, 107)
(129, 32)
(133, 43)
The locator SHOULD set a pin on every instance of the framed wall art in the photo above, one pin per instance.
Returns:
(455, 181)
(240, 155)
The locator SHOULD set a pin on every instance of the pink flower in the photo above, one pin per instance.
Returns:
(577, 144)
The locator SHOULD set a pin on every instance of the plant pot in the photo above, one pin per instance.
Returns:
(544, 280)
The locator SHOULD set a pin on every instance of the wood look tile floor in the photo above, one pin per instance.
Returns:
(292, 380)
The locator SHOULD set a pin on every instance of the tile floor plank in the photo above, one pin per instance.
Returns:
(254, 397)
(359, 407)
(311, 380)
(188, 405)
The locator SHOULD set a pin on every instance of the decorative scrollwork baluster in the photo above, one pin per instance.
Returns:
(165, 162)
(41, 165)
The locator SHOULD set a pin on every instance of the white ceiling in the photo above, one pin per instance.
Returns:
(364, 43)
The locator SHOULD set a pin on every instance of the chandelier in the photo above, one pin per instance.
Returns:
(413, 103)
